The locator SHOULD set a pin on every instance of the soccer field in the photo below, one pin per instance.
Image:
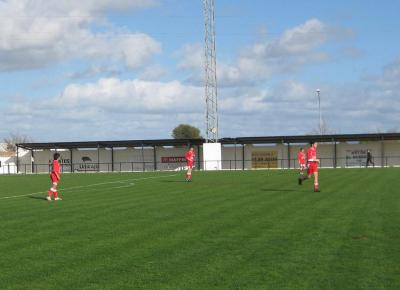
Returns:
(225, 230)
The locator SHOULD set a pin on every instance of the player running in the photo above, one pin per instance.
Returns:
(301, 159)
(55, 178)
(189, 156)
(313, 162)
(369, 159)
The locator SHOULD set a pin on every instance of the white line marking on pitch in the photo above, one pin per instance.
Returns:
(118, 181)
(124, 186)
(94, 184)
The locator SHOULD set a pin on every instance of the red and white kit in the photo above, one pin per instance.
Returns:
(189, 156)
(301, 158)
(55, 178)
(312, 160)
(55, 172)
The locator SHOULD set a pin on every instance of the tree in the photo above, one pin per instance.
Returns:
(325, 129)
(185, 131)
(12, 141)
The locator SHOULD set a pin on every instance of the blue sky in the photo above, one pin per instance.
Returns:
(132, 69)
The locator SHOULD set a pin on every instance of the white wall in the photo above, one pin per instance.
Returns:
(392, 151)
(346, 150)
(9, 164)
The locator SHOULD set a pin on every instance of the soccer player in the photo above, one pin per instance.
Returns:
(369, 159)
(301, 159)
(313, 162)
(55, 178)
(189, 156)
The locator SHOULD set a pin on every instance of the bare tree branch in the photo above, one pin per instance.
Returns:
(325, 129)
(13, 139)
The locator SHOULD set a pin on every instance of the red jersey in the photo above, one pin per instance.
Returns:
(56, 167)
(301, 157)
(311, 154)
(189, 156)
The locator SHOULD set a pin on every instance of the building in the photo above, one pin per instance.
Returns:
(280, 152)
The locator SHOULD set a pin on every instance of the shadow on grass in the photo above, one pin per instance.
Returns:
(172, 181)
(37, 197)
(278, 190)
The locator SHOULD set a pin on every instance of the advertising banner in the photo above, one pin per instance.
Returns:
(176, 159)
(264, 159)
(356, 157)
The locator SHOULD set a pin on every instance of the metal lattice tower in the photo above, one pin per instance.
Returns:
(210, 69)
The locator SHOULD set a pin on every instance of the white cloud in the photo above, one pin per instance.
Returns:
(191, 62)
(133, 96)
(39, 33)
(191, 57)
(148, 107)
(295, 49)
(290, 91)
(291, 107)
(95, 70)
(295, 41)
(390, 78)
(109, 108)
(153, 73)
(112, 108)
(137, 49)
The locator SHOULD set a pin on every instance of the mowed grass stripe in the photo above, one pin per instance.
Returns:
(349, 214)
(47, 222)
(389, 211)
(289, 216)
(25, 184)
(74, 205)
(196, 268)
(300, 236)
(369, 234)
(360, 247)
(223, 231)
(268, 241)
(80, 192)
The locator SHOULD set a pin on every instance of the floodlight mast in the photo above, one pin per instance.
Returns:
(210, 72)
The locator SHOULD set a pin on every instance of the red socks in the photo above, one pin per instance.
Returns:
(51, 192)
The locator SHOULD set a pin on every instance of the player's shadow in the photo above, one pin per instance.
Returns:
(38, 197)
(277, 190)
(172, 181)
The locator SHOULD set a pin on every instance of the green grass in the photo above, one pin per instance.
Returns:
(225, 230)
